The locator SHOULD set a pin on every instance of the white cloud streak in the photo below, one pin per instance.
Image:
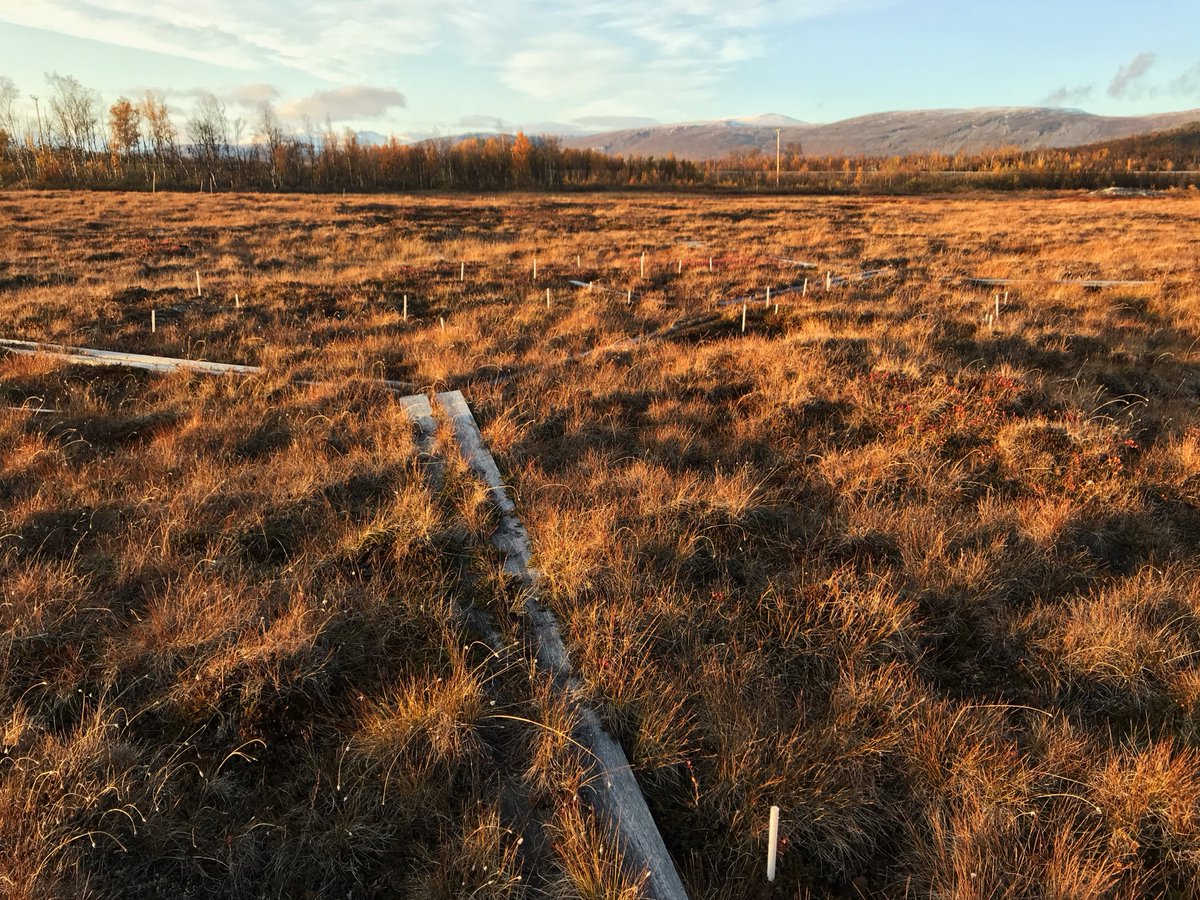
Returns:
(1129, 75)
(345, 104)
(597, 58)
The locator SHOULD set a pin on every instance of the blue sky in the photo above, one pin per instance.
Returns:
(415, 68)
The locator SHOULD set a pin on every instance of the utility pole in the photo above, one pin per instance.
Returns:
(777, 130)
(38, 110)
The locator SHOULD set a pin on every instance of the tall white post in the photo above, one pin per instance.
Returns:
(773, 843)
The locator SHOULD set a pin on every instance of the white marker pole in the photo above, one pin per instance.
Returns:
(710, 268)
(578, 261)
(404, 313)
(773, 843)
(828, 280)
(997, 309)
(643, 263)
(462, 271)
(535, 268)
(804, 290)
(547, 298)
(197, 284)
(153, 322)
(768, 295)
(743, 318)
(442, 323)
(629, 297)
(679, 267)
(237, 303)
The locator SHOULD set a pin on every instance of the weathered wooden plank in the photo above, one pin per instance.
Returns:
(613, 791)
(88, 356)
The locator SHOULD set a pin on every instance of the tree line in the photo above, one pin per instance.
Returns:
(73, 140)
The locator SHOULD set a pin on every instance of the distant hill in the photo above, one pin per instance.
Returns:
(884, 134)
(1179, 145)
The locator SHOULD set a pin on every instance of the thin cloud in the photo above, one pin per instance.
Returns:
(1068, 96)
(251, 95)
(345, 104)
(493, 123)
(604, 123)
(1188, 84)
(1128, 76)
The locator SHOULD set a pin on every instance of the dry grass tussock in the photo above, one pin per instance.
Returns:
(925, 581)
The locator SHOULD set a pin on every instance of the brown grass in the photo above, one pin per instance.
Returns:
(925, 582)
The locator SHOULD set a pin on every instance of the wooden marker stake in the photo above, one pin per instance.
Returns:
(629, 297)
(535, 268)
(679, 267)
(197, 284)
(710, 268)
(404, 312)
(804, 290)
(773, 843)
(442, 323)
(237, 303)
(547, 298)
(828, 280)
(578, 261)
(462, 271)
(153, 322)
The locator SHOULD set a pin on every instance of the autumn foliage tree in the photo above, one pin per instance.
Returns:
(124, 130)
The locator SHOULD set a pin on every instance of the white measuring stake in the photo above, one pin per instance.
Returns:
(828, 280)
(743, 318)
(679, 267)
(768, 295)
(773, 843)
(442, 322)
(197, 284)
(535, 268)
(404, 313)
(710, 264)
(153, 322)
(547, 298)
(462, 271)
(997, 309)
(629, 297)
(237, 303)
(804, 291)
(643, 263)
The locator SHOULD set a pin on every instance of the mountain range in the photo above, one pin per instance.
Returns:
(882, 134)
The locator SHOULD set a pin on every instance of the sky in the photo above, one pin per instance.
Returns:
(438, 67)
